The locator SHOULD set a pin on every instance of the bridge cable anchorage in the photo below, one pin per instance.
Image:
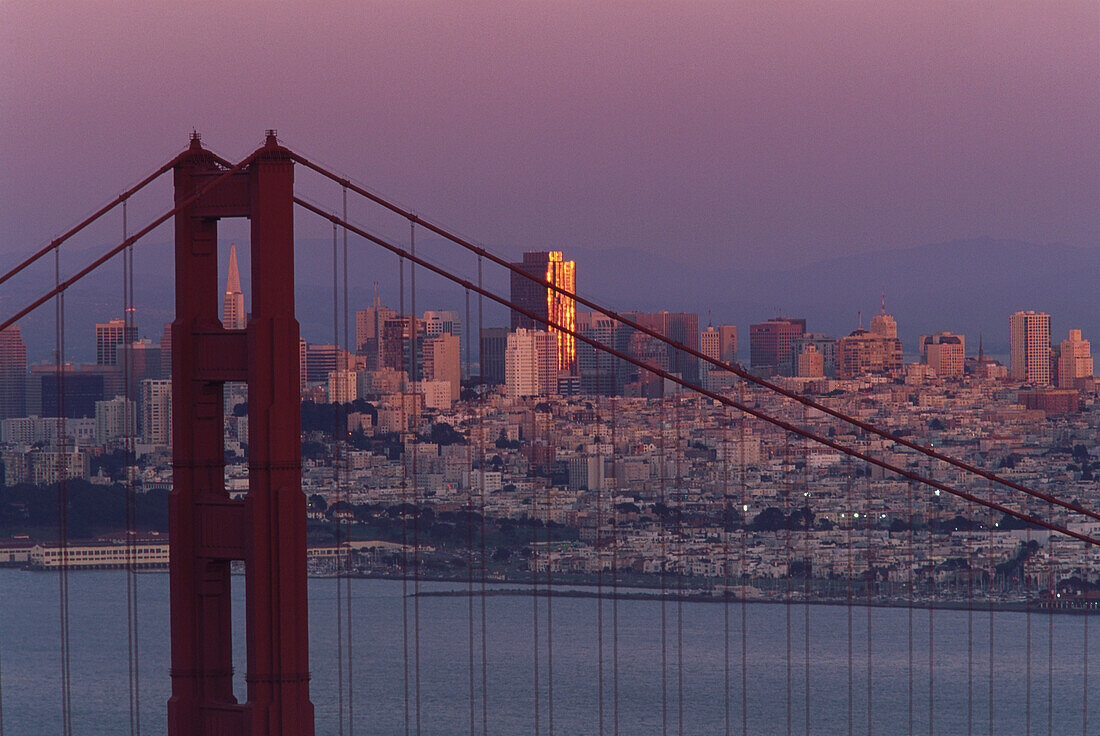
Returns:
(120, 199)
(61, 286)
(661, 373)
(740, 372)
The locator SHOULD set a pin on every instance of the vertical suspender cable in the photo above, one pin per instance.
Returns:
(742, 567)
(680, 557)
(992, 577)
(614, 550)
(970, 621)
(129, 393)
(787, 513)
(549, 584)
(402, 339)
(787, 578)
(347, 486)
(849, 522)
(1027, 625)
(871, 586)
(599, 554)
(807, 569)
(62, 506)
(481, 496)
(911, 555)
(727, 522)
(535, 582)
(1050, 620)
(413, 352)
(663, 546)
(469, 534)
(930, 523)
(340, 544)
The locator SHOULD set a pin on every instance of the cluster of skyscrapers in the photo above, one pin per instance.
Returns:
(127, 391)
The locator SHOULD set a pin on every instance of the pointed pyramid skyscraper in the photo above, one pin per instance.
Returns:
(233, 315)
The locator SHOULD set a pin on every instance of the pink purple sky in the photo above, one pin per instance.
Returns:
(747, 133)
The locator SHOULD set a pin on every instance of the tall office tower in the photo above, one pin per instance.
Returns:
(156, 412)
(320, 360)
(943, 352)
(442, 322)
(166, 351)
(530, 363)
(681, 327)
(1074, 360)
(490, 355)
(710, 343)
(368, 332)
(810, 362)
(1029, 347)
(599, 371)
(823, 344)
(558, 308)
(398, 350)
(13, 374)
(108, 336)
(114, 419)
(139, 360)
(727, 342)
(864, 352)
(233, 314)
(443, 362)
(719, 343)
(770, 342)
(343, 387)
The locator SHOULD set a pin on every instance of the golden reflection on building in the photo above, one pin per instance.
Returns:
(562, 309)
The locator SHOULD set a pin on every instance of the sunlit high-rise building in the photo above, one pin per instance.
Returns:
(233, 314)
(530, 364)
(558, 308)
(1029, 347)
(1074, 360)
(108, 336)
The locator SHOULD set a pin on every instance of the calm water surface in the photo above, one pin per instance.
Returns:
(960, 690)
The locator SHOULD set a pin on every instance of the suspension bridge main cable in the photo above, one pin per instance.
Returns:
(740, 372)
(61, 286)
(667, 376)
(120, 199)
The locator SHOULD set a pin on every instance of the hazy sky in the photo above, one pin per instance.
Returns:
(754, 133)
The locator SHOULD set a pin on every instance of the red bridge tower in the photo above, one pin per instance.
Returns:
(267, 529)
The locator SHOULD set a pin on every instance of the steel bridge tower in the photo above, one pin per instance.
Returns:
(267, 529)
